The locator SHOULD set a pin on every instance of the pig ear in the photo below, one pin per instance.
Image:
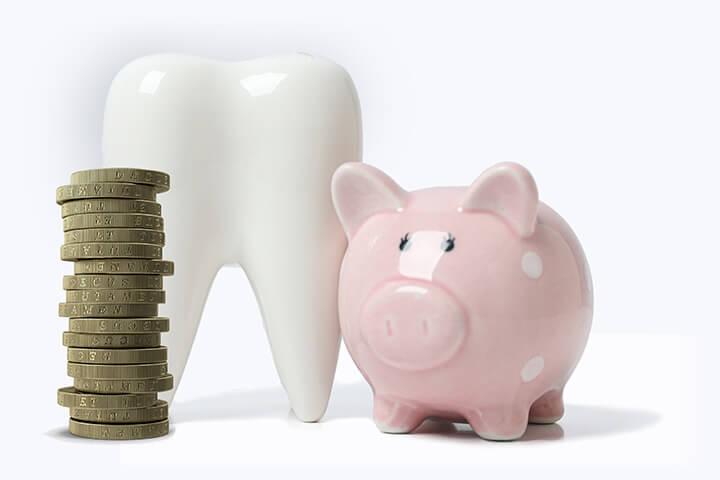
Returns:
(509, 191)
(359, 191)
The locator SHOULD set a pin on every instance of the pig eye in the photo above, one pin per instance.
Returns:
(405, 242)
(448, 243)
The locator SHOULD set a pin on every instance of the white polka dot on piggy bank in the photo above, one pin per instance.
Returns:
(469, 303)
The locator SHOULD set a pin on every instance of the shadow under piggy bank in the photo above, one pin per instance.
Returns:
(579, 421)
(355, 401)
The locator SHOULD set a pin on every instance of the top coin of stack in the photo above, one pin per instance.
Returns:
(114, 233)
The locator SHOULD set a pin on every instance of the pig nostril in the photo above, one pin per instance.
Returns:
(425, 326)
(388, 327)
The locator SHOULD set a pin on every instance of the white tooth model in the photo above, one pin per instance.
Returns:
(250, 148)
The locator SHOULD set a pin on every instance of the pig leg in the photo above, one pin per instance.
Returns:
(499, 423)
(548, 408)
(392, 416)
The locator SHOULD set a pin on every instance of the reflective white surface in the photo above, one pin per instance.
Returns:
(620, 417)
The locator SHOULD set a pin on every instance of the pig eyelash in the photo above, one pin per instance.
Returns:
(449, 243)
(404, 242)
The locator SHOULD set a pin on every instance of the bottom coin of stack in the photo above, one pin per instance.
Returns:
(123, 416)
(114, 234)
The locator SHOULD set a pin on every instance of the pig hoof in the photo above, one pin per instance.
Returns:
(496, 437)
(548, 408)
(392, 416)
(544, 420)
(498, 425)
(393, 428)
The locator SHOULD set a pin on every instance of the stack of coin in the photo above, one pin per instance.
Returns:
(114, 234)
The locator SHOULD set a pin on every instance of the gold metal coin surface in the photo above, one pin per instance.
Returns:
(110, 205)
(114, 233)
(115, 296)
(86, 282)
(131, 235)
(113, 220)
(104, 190)
(82, 251)
(107, 310)
(117, 372)
(111, 340)
(119, 325)
(72, 397)
(153, 413)
(125, 267)
(144, 385)
(159, 180)
(119, 356)
(108, 431)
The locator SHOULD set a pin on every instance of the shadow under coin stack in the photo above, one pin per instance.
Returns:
(114, 234)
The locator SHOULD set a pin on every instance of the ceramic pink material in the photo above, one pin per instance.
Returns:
(466, 303)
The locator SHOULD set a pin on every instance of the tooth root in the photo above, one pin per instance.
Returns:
(187, 291)
(296, 286)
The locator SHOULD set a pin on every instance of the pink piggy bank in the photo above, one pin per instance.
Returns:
(467, 303)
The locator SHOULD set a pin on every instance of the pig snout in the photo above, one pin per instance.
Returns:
(412, 325)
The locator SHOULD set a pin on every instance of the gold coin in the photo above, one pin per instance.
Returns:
(116, 372)
(110, 205)
(71, 397)
(125, 266)
(112, 220)
(119, 325)
(107, 310)
(131, 431)
(104, 190)
(153, 413)
(111, 340)
(84, 282)
(117, 356)
(83, 251)
(159, 180)
(144, 385)
(115, 296)
(92, 235)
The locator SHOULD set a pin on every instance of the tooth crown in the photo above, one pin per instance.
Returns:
(251, 148)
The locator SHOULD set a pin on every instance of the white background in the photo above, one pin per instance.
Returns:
(613, 106)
